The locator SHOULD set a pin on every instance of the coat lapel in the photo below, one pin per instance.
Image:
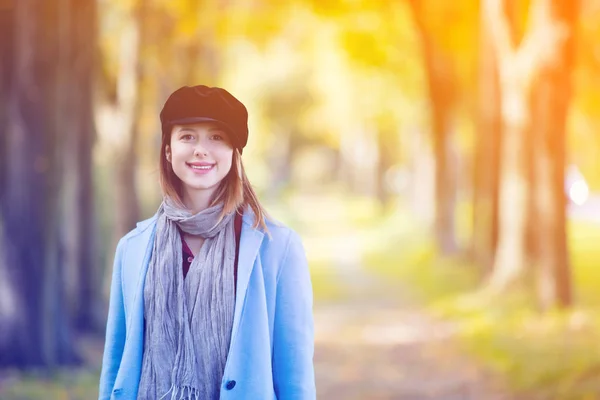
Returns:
(144, 252)
(250, 241)
(135, 265)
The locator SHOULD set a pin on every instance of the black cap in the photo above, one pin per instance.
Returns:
(191, 104)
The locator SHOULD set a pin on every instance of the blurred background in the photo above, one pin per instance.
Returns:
(439, 159)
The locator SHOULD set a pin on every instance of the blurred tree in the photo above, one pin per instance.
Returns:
(372, 80)
(516, 79)
(487, 153)
(77, 57)
(520, 62)
(551, 101)
(442, 94)
(584, 121)
(6, 68)
(35, 319)
(387, 149)
(284, 106)
(118, 116)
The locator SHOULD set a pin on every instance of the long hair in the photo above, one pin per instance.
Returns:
(235, 190)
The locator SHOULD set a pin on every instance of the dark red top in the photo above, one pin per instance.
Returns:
(188, 256)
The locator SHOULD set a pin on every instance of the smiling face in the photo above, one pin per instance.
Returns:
(200, 155)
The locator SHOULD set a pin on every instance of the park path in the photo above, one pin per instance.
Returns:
(375, 345)
(374, 342)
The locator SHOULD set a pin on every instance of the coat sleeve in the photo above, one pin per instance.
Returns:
(293, 331)
(115, 329)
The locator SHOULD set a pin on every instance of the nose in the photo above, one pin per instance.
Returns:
(200, 150)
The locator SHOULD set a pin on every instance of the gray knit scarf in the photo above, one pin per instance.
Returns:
(188, 321)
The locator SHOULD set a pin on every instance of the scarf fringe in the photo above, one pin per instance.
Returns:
(183, 393)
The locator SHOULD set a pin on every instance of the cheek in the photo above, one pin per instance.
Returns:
(227, 157)
(179, 150)
(222, 151)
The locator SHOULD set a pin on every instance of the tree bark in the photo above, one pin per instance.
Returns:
(515, 83)
(127, 202)
(23, 218)
(387, 146)
(35, 324)
(551, 105)
(442, 95)
(117, 123)
(518, 67)
(487, 156)
(78, 191)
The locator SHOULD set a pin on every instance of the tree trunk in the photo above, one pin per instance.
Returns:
(79, 191)
(518, 68)
(513, 191)
(445, 186)
(127, 209)
(441, 84)
(363, 163)
(281, 107)
(76, 58)
(23, 218)
(487, 156)
(116, 123)
(422, 178)
(127, 203)
(553, 94)
(511, 253)
(35, 324)
(387, 147)
(6, 71)
(279, 158)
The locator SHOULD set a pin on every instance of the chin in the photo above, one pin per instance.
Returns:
(201, 186)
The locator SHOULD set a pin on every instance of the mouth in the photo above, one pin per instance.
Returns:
(200, 167)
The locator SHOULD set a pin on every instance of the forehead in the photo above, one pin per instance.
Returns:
(198, 127)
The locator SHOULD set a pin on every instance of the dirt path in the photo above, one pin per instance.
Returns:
(375, 345)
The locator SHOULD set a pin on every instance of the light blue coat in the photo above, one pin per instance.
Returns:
(272, 341)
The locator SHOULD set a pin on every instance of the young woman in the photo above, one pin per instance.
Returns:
(209, 299)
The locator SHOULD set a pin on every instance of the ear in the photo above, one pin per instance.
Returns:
(168, 152)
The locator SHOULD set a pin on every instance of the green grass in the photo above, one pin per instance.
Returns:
(65, 384)
(325, 284)
(585, 258)
(554, 355)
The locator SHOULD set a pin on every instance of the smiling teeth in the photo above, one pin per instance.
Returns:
(204, 167)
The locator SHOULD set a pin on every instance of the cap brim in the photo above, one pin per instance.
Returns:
(194, 120)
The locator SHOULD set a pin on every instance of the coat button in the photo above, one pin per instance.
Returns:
(230, 385)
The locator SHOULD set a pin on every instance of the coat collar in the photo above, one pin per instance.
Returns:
(250, 242)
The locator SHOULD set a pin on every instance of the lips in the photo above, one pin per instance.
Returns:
(200, 167)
